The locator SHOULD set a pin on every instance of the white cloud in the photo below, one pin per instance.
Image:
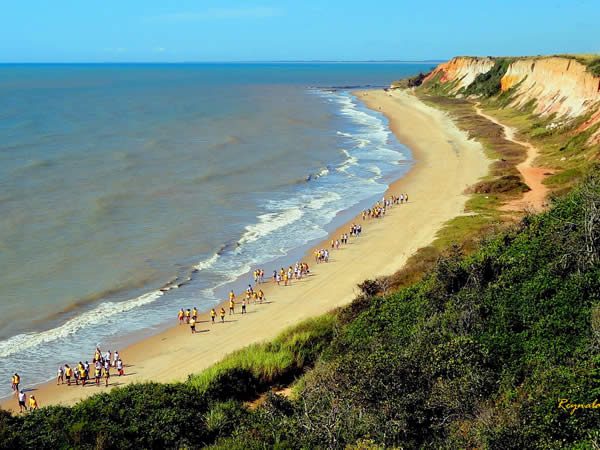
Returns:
(256, 12)
(160, 49)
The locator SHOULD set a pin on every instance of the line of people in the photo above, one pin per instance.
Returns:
(298, 271)
(379, 209)
(190, 316)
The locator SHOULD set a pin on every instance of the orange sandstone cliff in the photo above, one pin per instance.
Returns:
(559, 86)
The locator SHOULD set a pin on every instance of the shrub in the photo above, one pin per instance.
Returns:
(488, 84)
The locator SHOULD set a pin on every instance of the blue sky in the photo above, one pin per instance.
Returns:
(251, 30)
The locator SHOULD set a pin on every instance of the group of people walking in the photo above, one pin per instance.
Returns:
(81, 373)
(296, 272)
(379, 209)
(77, 375)
(190, 316)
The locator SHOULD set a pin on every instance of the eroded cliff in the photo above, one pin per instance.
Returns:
(560, 88)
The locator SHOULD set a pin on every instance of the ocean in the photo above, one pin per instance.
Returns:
(119, 180)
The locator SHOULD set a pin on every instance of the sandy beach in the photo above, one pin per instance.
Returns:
(446, 163)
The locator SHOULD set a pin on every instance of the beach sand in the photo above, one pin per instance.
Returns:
(446, 163)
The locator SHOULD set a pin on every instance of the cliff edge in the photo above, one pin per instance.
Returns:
(561, 89)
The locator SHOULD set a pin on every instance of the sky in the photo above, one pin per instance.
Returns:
(269, 30)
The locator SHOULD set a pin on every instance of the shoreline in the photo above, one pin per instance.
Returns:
(445, 163)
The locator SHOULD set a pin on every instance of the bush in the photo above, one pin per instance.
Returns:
(488, 84)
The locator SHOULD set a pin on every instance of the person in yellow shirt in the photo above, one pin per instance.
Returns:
(68, 374)
(222, 314)
(180, 316)
(16, 380)
(193, 325)
(213, 314)
(195, 313)
(231, 307)
(33, 404)
(231, 296)
(188, 313)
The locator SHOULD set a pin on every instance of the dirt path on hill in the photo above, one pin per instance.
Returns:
(536, 198)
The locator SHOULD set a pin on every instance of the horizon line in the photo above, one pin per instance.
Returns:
(266, 61)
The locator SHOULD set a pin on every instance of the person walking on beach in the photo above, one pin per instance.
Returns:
(193, 325)
(22, 401)
(120, 367)
(60, 376)
(180, 315)
(116, 358)
(195, 313)
(188, 313)
(213, 314)
(33, 404)
(244, 306)
(97, 375)
(84, 375)
(15, 381)
(231, 307)
(68, 374)
(106, 377)
(222, 314)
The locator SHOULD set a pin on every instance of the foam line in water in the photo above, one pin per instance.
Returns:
(206, 264)
(268, 223)
(102, 312)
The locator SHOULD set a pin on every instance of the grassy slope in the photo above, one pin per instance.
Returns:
(474, 356)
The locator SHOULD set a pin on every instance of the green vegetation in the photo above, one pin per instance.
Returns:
(594, 67)
(474, 356)
(247, 372)
(563, 147)
(435, 86)
(488, 84)
(410, 82)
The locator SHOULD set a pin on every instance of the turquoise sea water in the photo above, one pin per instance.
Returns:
(116, 180)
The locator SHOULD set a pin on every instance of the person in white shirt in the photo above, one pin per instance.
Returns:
(22, 401)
